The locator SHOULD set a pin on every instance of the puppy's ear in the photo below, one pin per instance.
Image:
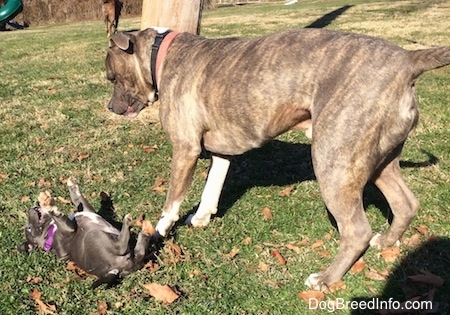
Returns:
(122, 40)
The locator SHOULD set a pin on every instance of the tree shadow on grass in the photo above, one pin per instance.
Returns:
(423, 275)
(328, 18)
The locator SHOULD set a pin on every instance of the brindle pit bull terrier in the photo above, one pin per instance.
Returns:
(86, 239)
(232, 95)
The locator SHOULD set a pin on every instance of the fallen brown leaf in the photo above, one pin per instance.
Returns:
(139, 220)
(390, 254)
(267, 213)
(83, 156)
(422, 229)
(263, 266)
(412, 241)
(247, 240)
(34, 280)
(339, 285)
(63, 200)
(148, 229)
(294, 248)
(45, 199)
(149, 149)
(232, 253)
(275, 253)
(311, 297)
(102, 308)
(358, 266)
(287, 191)
(35, 295)
(372, 274)
(158, 186)
(162, 293)
(316, 244)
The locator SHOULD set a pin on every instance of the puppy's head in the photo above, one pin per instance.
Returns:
(128, 68)
(36, 230)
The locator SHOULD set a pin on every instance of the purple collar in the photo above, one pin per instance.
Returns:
(49, 241)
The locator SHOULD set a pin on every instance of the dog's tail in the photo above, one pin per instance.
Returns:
(429, 59)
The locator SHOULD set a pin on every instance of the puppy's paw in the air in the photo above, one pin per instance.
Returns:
(72, 184)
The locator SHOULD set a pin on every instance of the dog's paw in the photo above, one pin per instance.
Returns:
(314, 281)
(54, 211)
(195, 221)
(379, 241)
(72, 184)
(128, 219)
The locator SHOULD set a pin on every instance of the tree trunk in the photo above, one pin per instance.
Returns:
(178, 15)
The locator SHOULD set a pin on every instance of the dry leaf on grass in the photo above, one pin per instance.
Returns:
(316, 244)
(390, 254)
(287, 191)
(162, 293)
(427, 277)
(375, 275)
(294, 248)
(83, 156)
(45, 199)
(64, 201)
(247, 240)
(422, 229)
(148, 229)
(358, 266)
(337, 286)
(149, 149)
(102, 308)
(267, 213)
(311, 297)
(158, 186)
(71, 266)
(232, 253)
(139, 220)
(42, 307)
(412, 241)
(275, 253)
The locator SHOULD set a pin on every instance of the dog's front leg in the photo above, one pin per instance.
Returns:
(211, 192)
(182, 170)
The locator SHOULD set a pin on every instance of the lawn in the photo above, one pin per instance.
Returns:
(55, 124)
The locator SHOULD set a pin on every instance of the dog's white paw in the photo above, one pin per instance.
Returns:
(164, 225)
(195, 221)
(376, 242)
(314, 281)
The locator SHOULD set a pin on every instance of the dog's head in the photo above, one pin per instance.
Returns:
(36, 231)
(128, 68)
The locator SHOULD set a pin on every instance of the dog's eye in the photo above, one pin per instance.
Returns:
(28, 228)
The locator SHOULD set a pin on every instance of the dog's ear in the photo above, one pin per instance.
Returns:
(123, 41)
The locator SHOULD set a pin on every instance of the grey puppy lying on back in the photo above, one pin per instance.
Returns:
(231, 95)
(86, 239)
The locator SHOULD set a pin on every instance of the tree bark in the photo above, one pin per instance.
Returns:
(178, 15)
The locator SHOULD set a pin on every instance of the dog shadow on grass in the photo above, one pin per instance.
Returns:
(418, 285)
(280, 163)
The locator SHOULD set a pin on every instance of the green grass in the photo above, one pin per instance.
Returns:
(54, 123)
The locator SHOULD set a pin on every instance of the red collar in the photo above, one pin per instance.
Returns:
(159, 50)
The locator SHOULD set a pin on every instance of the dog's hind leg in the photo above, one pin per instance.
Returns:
(121, 245)
(77, 197)
(403, 203)
(211, 192)
(342, 182)
(184, 160)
